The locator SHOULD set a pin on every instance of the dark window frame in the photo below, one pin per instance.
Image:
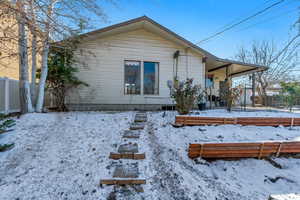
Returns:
(158, 72)
(124, 82)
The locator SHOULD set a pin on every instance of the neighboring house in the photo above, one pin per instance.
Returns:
(9, 58)
(128, 65)
(9, 63)
(274, 88)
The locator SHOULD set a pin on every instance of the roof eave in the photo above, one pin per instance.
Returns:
(241, 63)
(189, 44)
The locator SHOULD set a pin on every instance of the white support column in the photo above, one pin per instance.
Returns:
(6, 95)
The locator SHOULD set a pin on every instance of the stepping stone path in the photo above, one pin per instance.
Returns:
(127, 174)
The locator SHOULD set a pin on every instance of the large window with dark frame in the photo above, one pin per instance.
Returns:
(151, 78)
(132, 77)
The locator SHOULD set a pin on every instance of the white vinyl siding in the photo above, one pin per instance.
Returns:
(102, 67)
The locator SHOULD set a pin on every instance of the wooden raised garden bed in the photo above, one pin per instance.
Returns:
(242, 150)
(245, 121)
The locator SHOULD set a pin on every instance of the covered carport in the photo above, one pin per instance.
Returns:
(219, 73)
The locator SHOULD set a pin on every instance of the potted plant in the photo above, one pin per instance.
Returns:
(201, 100)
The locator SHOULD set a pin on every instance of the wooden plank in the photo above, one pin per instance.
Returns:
(134, 156)
(246, 148)
(242, 144)
(242, 150)
(122, 181)
(232, 155)
(236, 156)
(206, 152)
(245, 121)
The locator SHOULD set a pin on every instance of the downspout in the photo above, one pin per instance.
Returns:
(175, 57)
(187, 63)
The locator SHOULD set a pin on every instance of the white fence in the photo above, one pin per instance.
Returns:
(9, 96)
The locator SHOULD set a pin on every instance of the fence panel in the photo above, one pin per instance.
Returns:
(2, 95)
(9, 96)
(14, 102)
(279, 101)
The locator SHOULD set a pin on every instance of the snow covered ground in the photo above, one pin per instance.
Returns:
(249, 113)
(242, 179)
(59, 155)
(64, 155)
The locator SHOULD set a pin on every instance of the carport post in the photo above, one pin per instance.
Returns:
(227, 72)
(253, 90)
(227, 83)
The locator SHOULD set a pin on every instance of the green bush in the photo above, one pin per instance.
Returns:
(5, 124)
(290, 93)
(6, 147)
(61, 75)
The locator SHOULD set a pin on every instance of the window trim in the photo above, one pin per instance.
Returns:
(141, 62)
(124, 76)
(158, 72)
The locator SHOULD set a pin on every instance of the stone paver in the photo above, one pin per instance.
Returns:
(131, 134)
(128, 148)
(137, 126)
(126, 171)
(141, 115)
(140, 119)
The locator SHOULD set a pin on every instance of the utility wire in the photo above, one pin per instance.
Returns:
(241, 21)
(242, 16)
(289, 12)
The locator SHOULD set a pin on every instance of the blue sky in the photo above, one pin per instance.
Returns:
(198, 19)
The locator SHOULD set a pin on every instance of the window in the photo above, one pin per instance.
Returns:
(132, 77)
(150, 78)
(132, 84)
(209, 81)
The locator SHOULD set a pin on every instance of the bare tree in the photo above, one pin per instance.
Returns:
(48, 21)
(25, 97)
(14, 40)
(59, 19)
(45, 45)
(34, 50)
(279, 61)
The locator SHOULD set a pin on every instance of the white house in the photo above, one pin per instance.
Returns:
(128, 65)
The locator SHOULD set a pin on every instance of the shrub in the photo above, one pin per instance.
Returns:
(184, 94)
(290, 93)
(5, 124)
(201, 97)
(232, 96)
(61, 75)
